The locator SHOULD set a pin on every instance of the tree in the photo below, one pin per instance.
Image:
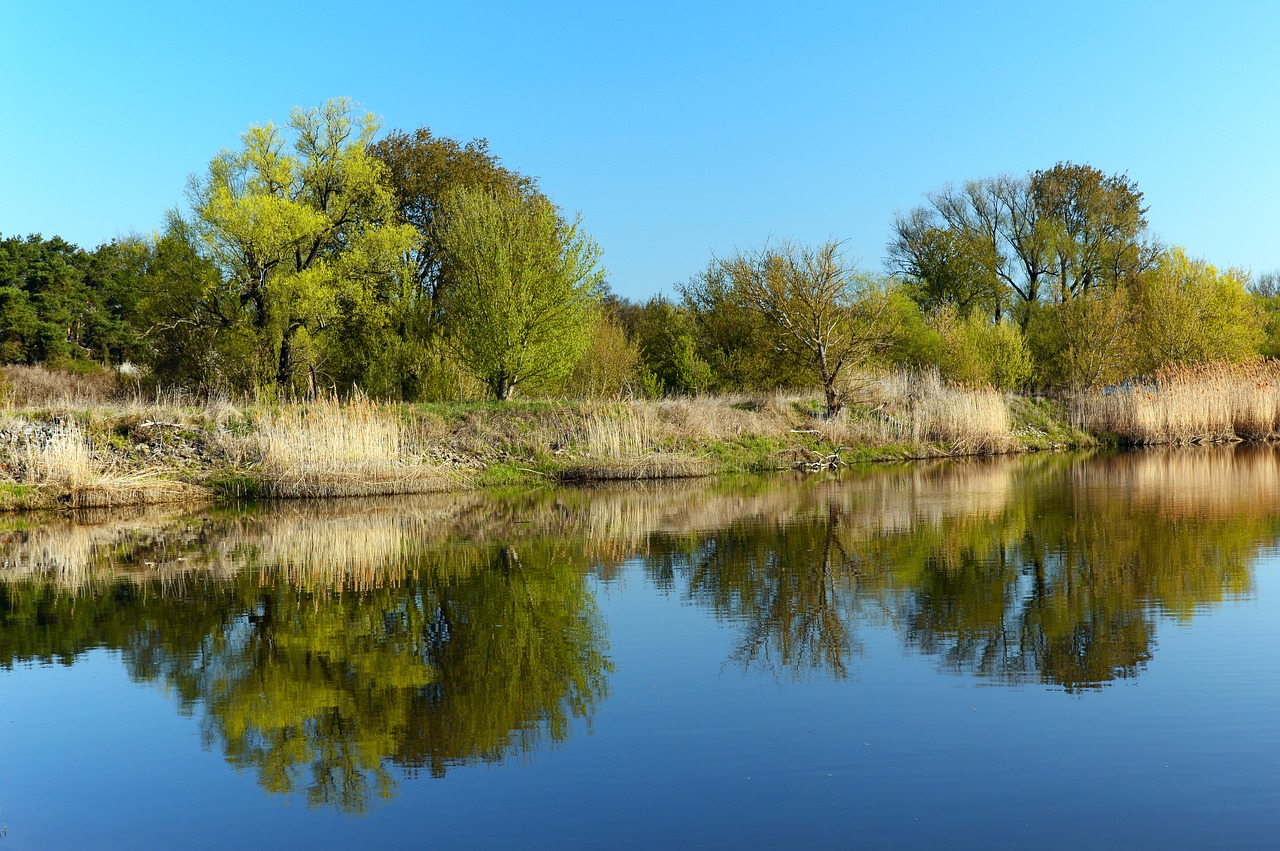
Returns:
(422, 171)
(303, 228)
(610, 366)
(829, 315)
(946, 268)
(526, 289)
(1000, 215)
(194, 326)
(669, 348)
(1085, 341)
(736, 343)
(1097, 225)
(1190, 312)
(1055, 233)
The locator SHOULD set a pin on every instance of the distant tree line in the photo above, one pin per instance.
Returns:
(319, 257)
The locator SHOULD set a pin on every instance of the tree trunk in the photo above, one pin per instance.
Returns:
(284, 375)
(501, 386)
(833, 396)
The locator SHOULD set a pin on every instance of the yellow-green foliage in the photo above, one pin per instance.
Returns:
(979, 352)
(1083, 342)
(610, 368)
(1187, 311)
(303, 226)
(527, 288)
(1181, 311)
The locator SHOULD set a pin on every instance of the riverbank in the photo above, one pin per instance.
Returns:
(64, 444)
(69, 454)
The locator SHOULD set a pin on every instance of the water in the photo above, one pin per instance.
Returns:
(1047, 650)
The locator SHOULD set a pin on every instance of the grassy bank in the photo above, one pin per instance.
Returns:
(64, 450)
(69, 451)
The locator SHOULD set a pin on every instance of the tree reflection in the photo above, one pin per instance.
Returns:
(1047, 576)
(792, 586)
(326, 649)
(470, 654)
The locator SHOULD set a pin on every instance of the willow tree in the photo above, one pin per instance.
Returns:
(527, 288)
(828, 314)
(304, 229)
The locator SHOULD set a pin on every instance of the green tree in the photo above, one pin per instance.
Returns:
(997, 219)
(944, 267)
(303, 228)
(738, 345)
(1097, 227)
(195, 328)
(668, 343)
(527, 286)
(1054, 234)
(978, 352)
(44, 302)
(1191, 312)
(1265, 289)
(828, 315)
(423, 170)
(610, 367)
(1083, 342)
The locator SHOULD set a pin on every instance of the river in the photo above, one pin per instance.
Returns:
(1048, 650)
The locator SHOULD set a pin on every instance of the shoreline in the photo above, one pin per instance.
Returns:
(67, 456)
(171, 450)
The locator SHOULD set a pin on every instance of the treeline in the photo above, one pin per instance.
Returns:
(321, 257)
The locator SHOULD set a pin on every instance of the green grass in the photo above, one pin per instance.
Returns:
(507, 475)
(1040, 423)
(236, 486)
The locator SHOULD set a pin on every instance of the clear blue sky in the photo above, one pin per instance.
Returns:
(678, 129)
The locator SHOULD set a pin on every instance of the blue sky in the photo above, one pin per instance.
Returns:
(677, 129)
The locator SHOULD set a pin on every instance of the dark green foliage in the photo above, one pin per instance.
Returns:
(193, 329)
(60, 304)
(739, 345)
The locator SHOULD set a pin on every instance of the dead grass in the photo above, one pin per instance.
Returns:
(169, 447)
(1200, 404)
(62, 464)
(42, 386)
(328, 448)
(62, 459)
(917, 407)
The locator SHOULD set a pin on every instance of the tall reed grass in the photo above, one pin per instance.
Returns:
(331, 448)
(917, 407)
(1188, 404)
(62, 459)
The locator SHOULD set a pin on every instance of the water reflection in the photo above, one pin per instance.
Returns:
(320, 676)
(325, 648)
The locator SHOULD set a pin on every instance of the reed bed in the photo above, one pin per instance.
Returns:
(629, 441)
(917, 407)
(329, 448)
(1191, 404)
(61, 460)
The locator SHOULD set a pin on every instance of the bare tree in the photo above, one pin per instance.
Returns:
(828, 314)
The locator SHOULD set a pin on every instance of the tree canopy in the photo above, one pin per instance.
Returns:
(302, 225)
(527, 285)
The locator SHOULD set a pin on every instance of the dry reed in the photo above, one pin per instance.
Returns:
(918, 407)
(329, 448)
(1188, 404)
(62, 459)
